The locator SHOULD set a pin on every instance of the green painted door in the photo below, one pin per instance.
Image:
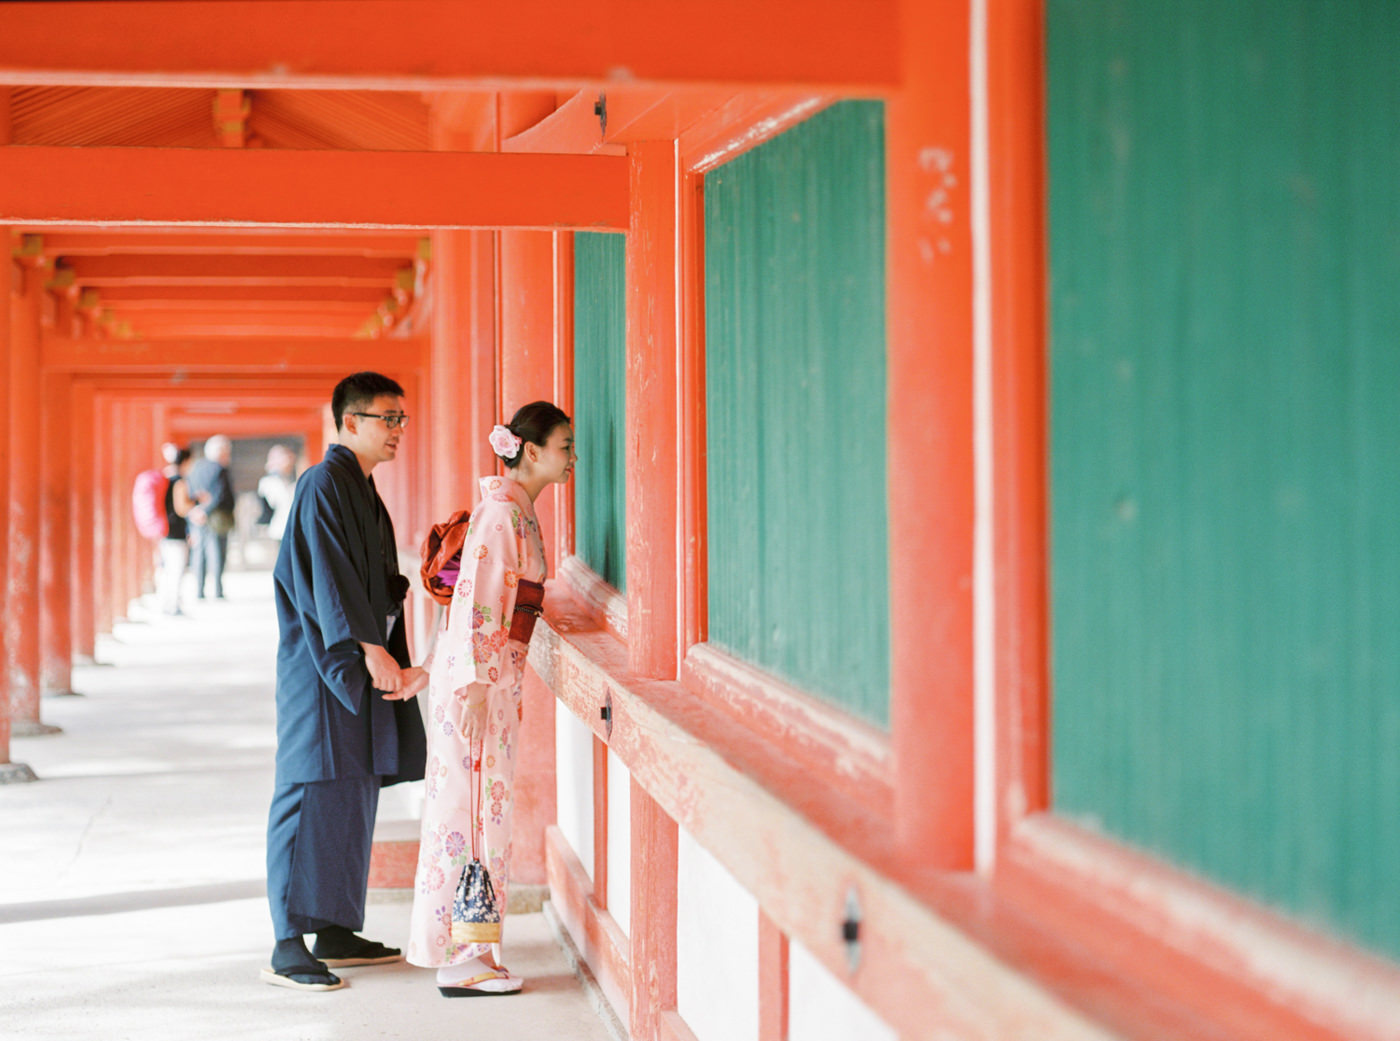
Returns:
(795, 407)
(1225, 471)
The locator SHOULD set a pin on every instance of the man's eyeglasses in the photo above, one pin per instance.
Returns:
(392, 420)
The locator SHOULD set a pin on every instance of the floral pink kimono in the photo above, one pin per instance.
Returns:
(474, 659)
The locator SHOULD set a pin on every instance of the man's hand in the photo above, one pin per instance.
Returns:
(414, 680)
(384, 672)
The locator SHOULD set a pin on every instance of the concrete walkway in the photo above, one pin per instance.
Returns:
(131, 873)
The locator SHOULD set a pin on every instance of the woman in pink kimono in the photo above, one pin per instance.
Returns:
(474, 700)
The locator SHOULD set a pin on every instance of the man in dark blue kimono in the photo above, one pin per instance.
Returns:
(345, 726)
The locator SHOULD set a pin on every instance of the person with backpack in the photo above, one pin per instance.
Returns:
(174, 544)
(476, 672)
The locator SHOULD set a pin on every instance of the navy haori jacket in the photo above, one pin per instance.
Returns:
(338, 585)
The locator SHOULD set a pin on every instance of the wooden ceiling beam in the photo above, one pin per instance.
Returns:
(194, 426)
(140, 297)
(230, 242)
(849, 46)
(228, 355)
(225, 393)
(309, 189)
(298, 327)
(243, 271)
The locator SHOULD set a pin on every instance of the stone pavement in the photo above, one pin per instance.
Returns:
(131, 872)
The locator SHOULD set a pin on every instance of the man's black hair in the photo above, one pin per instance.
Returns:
(358, 391)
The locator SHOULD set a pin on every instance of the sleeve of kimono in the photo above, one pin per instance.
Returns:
(483, 600)
(337, 599)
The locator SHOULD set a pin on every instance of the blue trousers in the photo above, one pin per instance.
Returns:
(208, 557)
(318, 845)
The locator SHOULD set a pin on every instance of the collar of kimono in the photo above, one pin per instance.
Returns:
(339, 456)
(496, 487)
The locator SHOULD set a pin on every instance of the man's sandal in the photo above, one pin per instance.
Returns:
(301, 980)
(358, 951)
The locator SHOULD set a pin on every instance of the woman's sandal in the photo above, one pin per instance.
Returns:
(484, 985)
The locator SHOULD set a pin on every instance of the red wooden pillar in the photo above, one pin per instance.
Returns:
(82, 504)
(129, 441)
(26, 431)
(56, 558)
(563, 392)
(930, 404)
(10, 771)
(464, 403)
(1016, 131)
(462, 360)
(654, 411)
(7, 772)
(104, 452)
(655, 844)
(526, 311)
(655, 489)
(315, 442)
(772, 980)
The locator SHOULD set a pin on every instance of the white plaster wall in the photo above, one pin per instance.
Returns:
(573, 763)
(821, 1008)
(619, 843)
(716, 948)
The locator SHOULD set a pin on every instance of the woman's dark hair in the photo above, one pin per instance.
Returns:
(534, 423)
(357, 391)
(181, 454)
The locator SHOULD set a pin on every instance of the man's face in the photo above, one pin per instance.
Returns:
(370, 436)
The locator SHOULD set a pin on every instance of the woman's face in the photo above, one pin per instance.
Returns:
(555, 459)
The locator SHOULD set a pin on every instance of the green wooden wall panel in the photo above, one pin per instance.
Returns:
(600, 403)
(1225, 442)
(795, 407)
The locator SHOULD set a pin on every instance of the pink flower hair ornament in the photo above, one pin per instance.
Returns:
(503, 442)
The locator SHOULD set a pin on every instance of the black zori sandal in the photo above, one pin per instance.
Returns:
(294, 967)
(338, 947)
(302, 980)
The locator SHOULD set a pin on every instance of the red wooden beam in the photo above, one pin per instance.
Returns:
(308, 313)
(446, 44)
(214, 389)
(230, 241)
(271, 297)
(151, 325)
(253, 354)
(186, 427)
(306, 189)
(362, 272)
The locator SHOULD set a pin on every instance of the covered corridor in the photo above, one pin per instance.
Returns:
(133, 903)
(973, 615)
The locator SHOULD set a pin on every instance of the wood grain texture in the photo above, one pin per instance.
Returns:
(1224, 219)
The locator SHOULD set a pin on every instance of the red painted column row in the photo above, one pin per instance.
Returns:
(24, 407)
(655, 451)
(56, 556)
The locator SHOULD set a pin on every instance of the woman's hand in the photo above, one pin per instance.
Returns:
(414, 680)
(471, 723)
